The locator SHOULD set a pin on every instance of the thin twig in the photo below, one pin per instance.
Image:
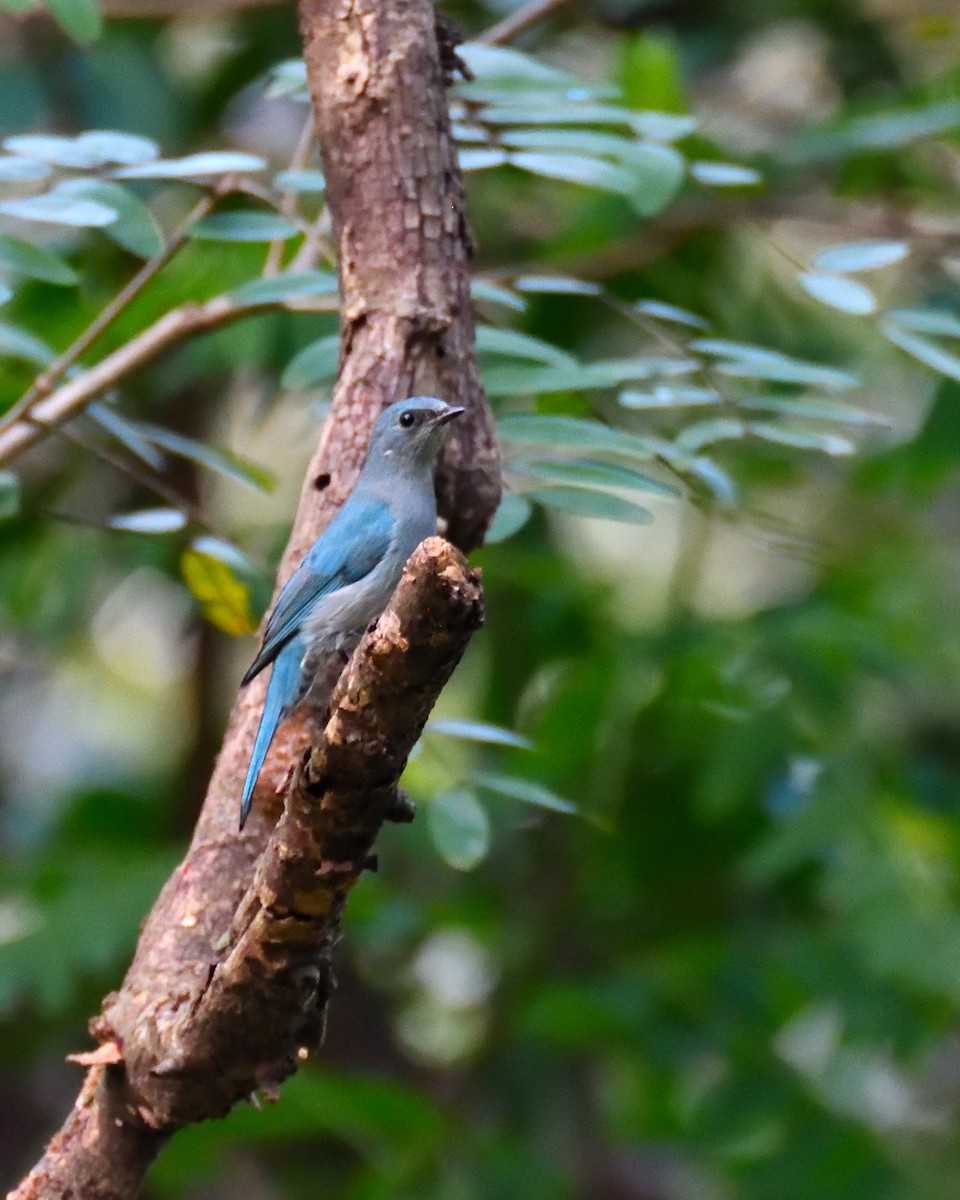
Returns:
(45, 382)
(145, 478)
(288, 205)
(520, 21)
(72, 398)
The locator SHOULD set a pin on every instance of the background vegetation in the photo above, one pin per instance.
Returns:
(716, 279)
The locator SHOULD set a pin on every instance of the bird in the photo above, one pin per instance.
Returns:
(349, 573)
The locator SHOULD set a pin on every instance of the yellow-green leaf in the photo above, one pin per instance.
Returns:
(225, 599)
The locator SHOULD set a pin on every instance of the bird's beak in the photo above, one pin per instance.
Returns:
(449, 414)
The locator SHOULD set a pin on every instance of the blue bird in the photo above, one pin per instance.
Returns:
(351, 570)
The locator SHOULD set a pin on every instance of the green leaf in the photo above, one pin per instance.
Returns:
(149, 520)
(587, 503)
(549, 110)
(576, 168)
(578, 141)
(14, 169)
(116, 147)
(562, 285)
(802, 439)
(223, 462)
(926, 352)
(244, 225)
(756, 362)
(861, 256)
(478, 731)
(314, 364)
(511, 516)
(225, 598)
(34, 261)
(134, 229)
(586, 473)
(288, 78)
(483, 289)
(658, 173)
(900, 127)
(509, 67)
(655, 172)
(195, 166)
(464, 132)
(524, 791)
(300, 182)
(9, 494)
(837, 291)
(459, 828)
(717, 174)
(669, 396)
(225, 552)
(51, 148)
(926, 320)
(481, 158)
(573, 433)
(510, 343)
(286, 286)
(525, 381)
(705, 433)
(20, 343)
(664, 126)
(821, 410)
(78, 18)
(670, 313)
(714, 478)
(127, 433)
(57, 207)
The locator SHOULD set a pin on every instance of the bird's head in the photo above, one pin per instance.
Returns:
(409, 434)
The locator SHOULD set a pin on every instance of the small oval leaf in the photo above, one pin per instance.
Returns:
(525, 791)
(244, 225)
(481, 158)
(149, 520)
(224, 598)
(314, 364)
(928, 353)
(459, 828)
(37, 262)
(671, 313)
(493, 293)
(511, 516)
(14, 169)
(861, 256)
(478, 731)
(508, 342)
(837, 291)
(286, 286)
(58, 208)
(720, 174)
(583, 502)
(195, 166)
(9, 494)
(300, 182)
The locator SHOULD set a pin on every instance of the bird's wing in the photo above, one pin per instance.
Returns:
(348, 549)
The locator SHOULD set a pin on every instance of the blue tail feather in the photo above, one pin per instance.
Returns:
(283, 691)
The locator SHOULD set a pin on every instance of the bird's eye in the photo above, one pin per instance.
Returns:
(407, 419)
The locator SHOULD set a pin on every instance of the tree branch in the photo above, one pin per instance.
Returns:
(264, 995)
(396, 201)
(70, 399)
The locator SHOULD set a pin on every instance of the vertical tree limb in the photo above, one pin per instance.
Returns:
(396, 198)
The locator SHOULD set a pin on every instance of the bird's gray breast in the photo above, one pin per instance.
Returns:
(336, 624)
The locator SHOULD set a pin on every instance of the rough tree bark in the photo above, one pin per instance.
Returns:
(237, 945)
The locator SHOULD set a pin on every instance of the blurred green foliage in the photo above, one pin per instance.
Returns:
(734, 972)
